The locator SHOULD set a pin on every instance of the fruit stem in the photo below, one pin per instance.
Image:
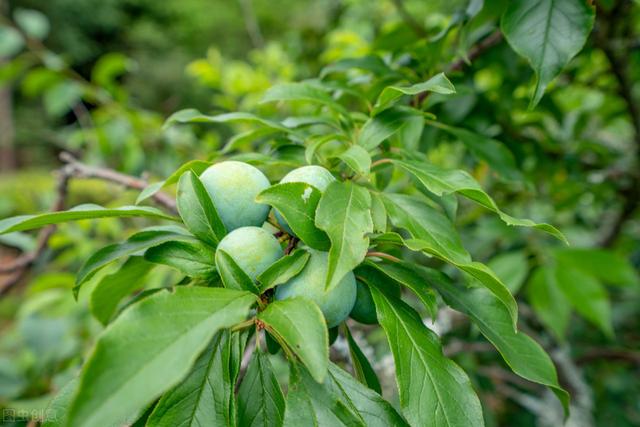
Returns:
(380, 162)
(243, 325)
(383, 255)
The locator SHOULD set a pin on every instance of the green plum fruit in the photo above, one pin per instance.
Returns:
(364, 310)
(233, 187)
(314, 175)
(333, 334)
(310, 283)
(254, 249)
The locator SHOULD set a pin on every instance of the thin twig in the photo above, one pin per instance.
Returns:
(608, 24)
(477, 50)
(608, 354)
(20, 266)
(80, 170)
(380, 162)
(409, 19)
(374, 254)
(251, 23)
(292, 245)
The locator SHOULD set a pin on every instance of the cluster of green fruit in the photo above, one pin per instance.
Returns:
(233, 187)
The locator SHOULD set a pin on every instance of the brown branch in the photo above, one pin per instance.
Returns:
(608, 27)
(20, 266)
(476, 51)
(80, 170)
(293, 241)
(72, 168)
(609, 354)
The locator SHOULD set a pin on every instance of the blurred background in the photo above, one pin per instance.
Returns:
(98, 78)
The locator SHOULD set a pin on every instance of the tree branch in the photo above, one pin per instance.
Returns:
(80, 170)
(72, 169)
(605, 34)
(476, 51)
(20, 266)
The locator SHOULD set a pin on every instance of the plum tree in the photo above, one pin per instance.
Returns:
(314, 175)
(310, 283)
(254, 249)
(233, 187)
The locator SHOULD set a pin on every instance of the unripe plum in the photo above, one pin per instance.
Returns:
(333, 334)
(310, 283)
(364, 309)
(233, 187)
(254, 249)
(314, 175)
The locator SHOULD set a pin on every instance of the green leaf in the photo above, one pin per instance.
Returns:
(370, 63)
(390, 94)
(512, 268)
(442, 181)
(195, 259)
(384, 125)
(548, 301)
(367, 404)
(197, 210)
(407, 275)
(11, 41)
(434, 234)
(284, 269)
(195, 166)
(34, 23)
(140, 241)
(114, 287)
(344, 213)
(150, 347)
(586, 295)
(297, 203)
(361, 366)
(57, 409)
(191, 115)
(206, 396)
(299, 324)
(312, 404)
(357, 158)
(434, 391)
(260, 399)
(492, 151)
(62, 97)
(523, 355)
(607, 266)
(302, 91)
(233, 277)
(86, 211)
(548, 33)
(378, 214)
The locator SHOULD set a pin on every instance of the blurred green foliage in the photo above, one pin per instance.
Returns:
(99, 78)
